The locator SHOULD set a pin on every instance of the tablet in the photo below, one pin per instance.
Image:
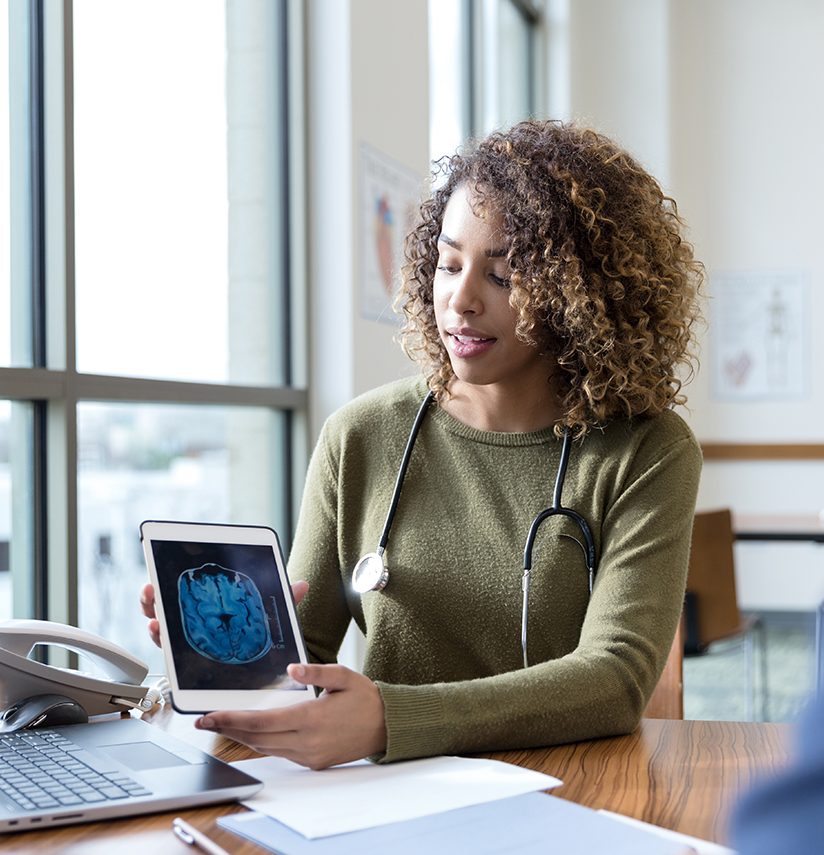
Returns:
(228, 625)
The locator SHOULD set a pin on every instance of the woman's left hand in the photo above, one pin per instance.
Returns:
(345, 723)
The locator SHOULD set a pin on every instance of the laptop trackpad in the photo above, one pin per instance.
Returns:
(143, 755)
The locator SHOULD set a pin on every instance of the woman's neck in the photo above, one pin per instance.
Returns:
(505, 410)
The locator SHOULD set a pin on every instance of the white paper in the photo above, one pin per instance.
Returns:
(702, 847)
(363, 795)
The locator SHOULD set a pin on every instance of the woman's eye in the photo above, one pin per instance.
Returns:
(448, 268)
(499, 280)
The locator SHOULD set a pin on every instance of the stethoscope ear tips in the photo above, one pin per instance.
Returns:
(370, 574)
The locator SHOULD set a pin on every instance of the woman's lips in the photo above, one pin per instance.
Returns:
(465, 345)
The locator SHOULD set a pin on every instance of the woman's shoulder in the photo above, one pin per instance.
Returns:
(651, 437)
(383, 409)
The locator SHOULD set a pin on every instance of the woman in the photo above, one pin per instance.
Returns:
(547, 291)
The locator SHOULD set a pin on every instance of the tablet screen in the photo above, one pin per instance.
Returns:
(226, 615)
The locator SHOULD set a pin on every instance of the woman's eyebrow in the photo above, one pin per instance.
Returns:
(490, 253)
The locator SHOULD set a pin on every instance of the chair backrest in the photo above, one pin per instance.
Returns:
(711, 577)
(667, 701)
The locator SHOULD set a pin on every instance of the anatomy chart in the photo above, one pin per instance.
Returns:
(759, 336)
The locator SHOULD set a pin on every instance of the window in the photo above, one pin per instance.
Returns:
(509, 68)
(161, 376)
(151, 200)
(5, 197)
(484, 68)
(162, 461)
(450, 93)
(6, 592)
(5, 330)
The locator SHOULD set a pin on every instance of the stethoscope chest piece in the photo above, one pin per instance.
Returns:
(370, 573)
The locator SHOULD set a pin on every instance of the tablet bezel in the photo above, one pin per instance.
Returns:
(202, 700)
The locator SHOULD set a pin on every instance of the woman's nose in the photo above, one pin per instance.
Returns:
(466, 295)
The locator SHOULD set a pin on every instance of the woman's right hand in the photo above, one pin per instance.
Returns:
(147, 606)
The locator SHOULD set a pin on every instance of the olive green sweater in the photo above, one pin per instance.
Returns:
(444, 636)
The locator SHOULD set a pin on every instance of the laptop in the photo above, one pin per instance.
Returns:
(103, 770)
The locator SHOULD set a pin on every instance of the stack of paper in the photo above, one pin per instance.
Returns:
(700, 847)
(432, 805)
(521, 825)
(362, 794)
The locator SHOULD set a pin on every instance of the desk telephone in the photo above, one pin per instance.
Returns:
(117, 687)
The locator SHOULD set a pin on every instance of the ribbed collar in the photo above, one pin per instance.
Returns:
(489, 437)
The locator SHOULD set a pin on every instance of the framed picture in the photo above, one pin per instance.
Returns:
(389, 195)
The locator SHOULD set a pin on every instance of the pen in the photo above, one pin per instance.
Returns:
(191, 836)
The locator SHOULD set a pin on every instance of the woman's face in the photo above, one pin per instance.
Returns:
(471, 297)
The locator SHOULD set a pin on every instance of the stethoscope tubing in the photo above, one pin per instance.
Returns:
(407, 454)
(556, 509)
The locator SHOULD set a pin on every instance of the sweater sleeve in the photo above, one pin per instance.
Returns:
(602, 687)
(324, 612)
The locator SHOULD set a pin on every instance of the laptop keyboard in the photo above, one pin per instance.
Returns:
(45, 769)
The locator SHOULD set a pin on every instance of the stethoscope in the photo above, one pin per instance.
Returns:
(372, 574)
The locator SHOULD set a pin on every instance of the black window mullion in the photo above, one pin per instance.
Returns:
(37, 169)
(285, 272)
(40, 558)
(37, 286)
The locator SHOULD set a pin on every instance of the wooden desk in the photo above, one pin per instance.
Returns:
(683, 775)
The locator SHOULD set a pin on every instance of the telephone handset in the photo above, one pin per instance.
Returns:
(117, 688)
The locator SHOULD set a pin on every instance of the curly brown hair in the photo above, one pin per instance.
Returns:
(601, 277)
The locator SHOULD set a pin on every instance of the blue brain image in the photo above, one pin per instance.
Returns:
(223, 614)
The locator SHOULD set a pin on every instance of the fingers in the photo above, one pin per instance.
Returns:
(147, 606)
(333, 678)
(147, 601)
(345, 723)
(299, 590)
(251, 722)
(280, 744)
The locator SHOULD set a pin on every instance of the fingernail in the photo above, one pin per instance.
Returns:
(298, 671)
(206, 723)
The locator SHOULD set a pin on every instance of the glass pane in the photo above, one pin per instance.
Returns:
(15, 187)
(515, 65)
(138, 462)
(5, 511)
(16, 585)
(5, 198)
(177, 198)
(449, 93)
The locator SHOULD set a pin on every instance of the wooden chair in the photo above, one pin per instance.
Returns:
(667, 701)
(711, 607)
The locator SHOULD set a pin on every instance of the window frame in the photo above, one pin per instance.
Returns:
(482, 26)
(47, 588)
(478, 61)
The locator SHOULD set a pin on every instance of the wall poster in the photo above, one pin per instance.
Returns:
(759, 336)
(389, 195)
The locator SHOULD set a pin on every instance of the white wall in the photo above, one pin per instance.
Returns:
(372, 87)
(721, 101)
(618, 74)
(747, 168)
